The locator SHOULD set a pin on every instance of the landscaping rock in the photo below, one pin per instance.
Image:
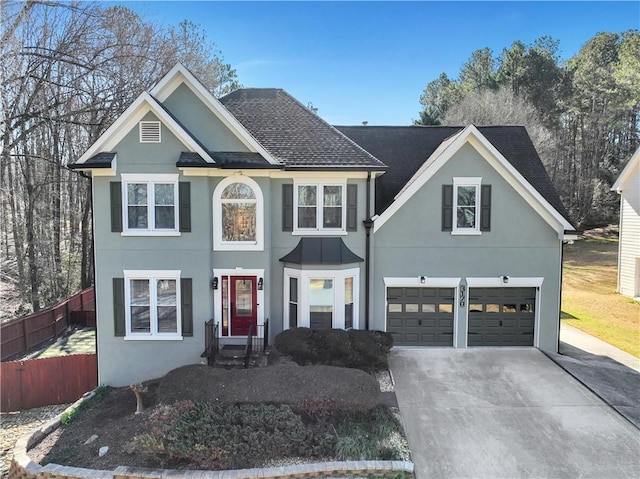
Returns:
(315, 387)
(103, 450)
(91, 439)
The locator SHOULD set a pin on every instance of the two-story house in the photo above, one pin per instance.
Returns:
(252, 207)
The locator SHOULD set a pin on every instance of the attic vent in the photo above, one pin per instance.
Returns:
(149, 132)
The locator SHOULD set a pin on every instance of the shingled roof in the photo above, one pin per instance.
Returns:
(405, 149)
(294, 134)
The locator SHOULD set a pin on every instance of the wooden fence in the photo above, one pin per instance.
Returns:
(24, 334)
(41, 382)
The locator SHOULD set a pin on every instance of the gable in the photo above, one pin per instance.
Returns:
(418, 221)
(137, 157)
(472, 136)
(179, 76)
(630, 173)
(201, 122)
(137, 111)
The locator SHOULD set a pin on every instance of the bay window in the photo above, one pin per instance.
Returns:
(321, 299)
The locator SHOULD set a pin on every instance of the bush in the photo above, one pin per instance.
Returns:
(213, 436)
(366, 350)
(216, 436)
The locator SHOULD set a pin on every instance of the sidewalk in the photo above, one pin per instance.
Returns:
(590, 344)
(610, 373)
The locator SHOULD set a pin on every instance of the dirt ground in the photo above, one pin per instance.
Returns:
(113, 420)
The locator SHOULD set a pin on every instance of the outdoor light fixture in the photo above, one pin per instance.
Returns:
(505, 279)
(260, 284)
(214, 283)
(423, 279)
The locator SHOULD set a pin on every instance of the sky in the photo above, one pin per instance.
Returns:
(370, 61)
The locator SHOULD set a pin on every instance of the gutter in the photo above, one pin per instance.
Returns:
(368, 224)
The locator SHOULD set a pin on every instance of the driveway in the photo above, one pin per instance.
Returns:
(507, 413)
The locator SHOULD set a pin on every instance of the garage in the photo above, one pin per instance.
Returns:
(420, 316)
(501, 316)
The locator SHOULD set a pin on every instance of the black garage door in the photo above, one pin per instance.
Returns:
(501, 316)
(420, 316)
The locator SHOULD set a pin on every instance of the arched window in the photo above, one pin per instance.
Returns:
(238, 210)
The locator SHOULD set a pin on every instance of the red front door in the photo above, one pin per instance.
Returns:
(244, 305)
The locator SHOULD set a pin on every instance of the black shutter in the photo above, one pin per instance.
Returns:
(186, 300)
(116, 206)
(485, 208)
(119, 328)
(447, 207)
(287, 207)
(352, 207)
(184, 195)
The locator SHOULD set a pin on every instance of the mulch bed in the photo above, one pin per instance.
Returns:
(113, 417)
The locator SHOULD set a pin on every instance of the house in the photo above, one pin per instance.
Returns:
(628, 187)
(251, 207)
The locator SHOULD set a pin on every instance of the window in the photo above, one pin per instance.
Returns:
(149, 131)
(321, 299)
(152, 300)
(466, 206)
(319, 207)
(150, 204)
(238, 215)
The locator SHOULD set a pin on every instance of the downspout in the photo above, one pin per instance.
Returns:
(368, 223)
(562, 243)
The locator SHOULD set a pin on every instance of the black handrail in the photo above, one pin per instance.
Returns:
(211, 341)
(249, 348)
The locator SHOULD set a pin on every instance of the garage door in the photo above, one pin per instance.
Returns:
(501, 316)
(420, 316)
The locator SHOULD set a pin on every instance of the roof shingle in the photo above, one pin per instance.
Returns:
(405, 149)
(293, 134)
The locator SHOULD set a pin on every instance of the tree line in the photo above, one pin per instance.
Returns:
(68, 69)
(582, 114)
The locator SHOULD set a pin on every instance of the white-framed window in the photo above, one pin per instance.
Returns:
(321, 299)
(152, 304)
(466, 205)
(319, 207)
(150, 131)
(238, 215)
(150, 204)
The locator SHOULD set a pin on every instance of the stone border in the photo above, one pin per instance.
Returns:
(22, 467)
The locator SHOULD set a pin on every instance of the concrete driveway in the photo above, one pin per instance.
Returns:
(507, 413)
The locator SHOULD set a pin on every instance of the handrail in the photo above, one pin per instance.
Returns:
(211, 341)
(249, 348)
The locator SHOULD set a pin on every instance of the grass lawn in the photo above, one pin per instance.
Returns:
(589, 298)
(82, 341)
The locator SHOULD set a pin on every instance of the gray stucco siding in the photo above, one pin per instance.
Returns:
(520, 244)
(198, 119)
(123, 361)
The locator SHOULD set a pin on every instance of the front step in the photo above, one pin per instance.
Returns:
(232, 357)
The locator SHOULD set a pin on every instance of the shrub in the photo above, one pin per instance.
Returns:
(366, 350)
(216, 436)
(296, 342)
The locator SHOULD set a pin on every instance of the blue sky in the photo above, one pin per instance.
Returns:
(371, 61)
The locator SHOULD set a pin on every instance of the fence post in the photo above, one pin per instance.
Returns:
(24, 332)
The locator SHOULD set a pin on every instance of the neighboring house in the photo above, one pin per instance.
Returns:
(252, 207)
(628, 187)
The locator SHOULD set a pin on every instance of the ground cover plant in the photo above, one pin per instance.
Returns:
(589, 299)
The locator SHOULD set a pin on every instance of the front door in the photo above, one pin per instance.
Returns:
(243, 305)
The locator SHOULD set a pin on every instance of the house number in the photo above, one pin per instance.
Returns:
(462, 291)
